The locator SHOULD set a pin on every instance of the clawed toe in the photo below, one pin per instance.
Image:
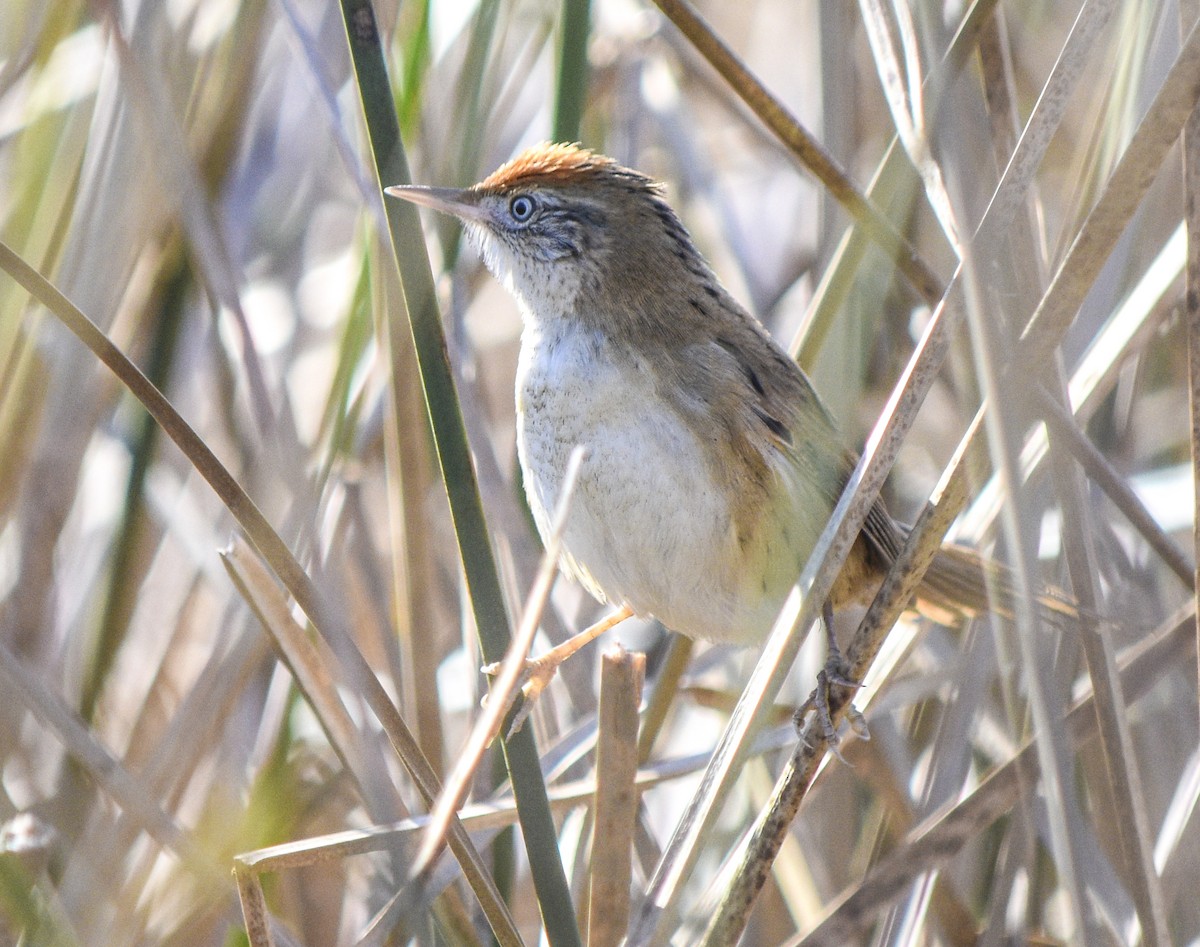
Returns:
(535, 678)
(539, 672)
(825, 700)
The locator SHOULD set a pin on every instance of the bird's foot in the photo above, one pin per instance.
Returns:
(835, 688)
(539, 672)
(535, 678)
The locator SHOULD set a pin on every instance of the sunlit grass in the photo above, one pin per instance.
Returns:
(202, 182)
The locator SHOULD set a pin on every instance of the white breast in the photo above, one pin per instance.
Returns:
(647, 526)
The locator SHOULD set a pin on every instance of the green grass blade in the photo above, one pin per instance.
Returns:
(454, 456)
(572, 70)
(259, 530)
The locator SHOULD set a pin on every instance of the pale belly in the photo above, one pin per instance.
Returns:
(647, 526)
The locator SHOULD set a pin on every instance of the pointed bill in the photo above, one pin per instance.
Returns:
(462, 203)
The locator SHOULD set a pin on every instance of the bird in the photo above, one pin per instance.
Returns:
(711, 465)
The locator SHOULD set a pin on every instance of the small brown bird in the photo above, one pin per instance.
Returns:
(711, 464)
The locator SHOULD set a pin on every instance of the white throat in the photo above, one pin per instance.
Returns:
(544, 289)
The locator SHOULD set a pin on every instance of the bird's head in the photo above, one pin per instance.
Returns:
(568, 231)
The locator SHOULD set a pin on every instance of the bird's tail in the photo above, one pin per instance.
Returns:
(962, 582)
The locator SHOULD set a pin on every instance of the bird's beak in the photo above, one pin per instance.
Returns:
(463, 204)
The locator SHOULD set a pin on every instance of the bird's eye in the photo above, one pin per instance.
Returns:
(521, 207)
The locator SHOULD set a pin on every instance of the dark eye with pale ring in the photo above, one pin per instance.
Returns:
(521, 207)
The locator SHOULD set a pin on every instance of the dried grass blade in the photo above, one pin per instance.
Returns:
(1156, 134)
(774, 822)
(1112, 709)
(1047, 115)
(423, 321)
(505, 685)
(22, 684)
(1132, 323)
(254, 907)
(656, 917)
(892, 171)
(1101, 472)
(940, 837)
(277, 554)
(900, 77)
(309, 666)
(812, 155)
(616, 800)
(1189, 13)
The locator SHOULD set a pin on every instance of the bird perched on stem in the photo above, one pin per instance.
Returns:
(711, 466)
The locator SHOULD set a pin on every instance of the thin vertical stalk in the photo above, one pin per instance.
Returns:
(572, 69)
(822, 165)
(1189, 13)
(474, 542)
(277, 553)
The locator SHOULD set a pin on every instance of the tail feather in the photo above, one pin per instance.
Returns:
(960, 581)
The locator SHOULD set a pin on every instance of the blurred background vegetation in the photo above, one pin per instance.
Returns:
(195, 176)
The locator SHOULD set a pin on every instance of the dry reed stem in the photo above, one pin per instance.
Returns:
(616, 805)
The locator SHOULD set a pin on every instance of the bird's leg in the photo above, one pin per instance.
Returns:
(540, 671)
(835, 673)
(836, 670)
